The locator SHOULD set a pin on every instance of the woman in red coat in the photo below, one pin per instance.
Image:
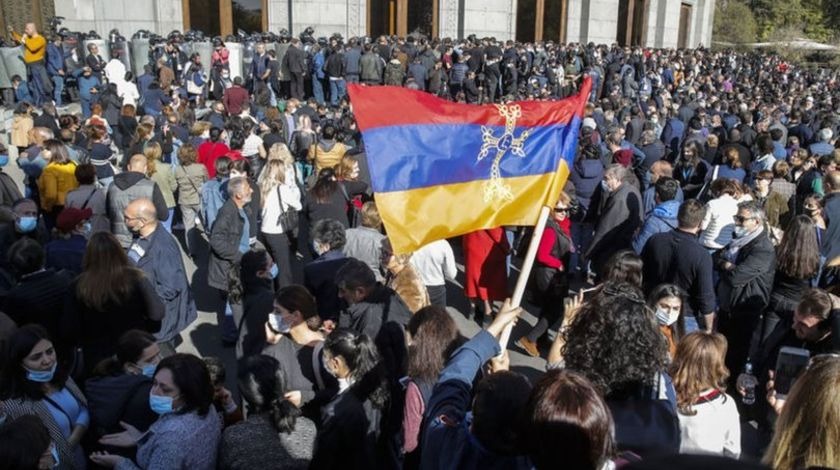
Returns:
(486, 273)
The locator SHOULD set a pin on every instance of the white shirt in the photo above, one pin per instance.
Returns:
(719, 222)
(252, 145)
(115, 71)
(290, 193)
(128, 92)
(715, 429)
(435, 263)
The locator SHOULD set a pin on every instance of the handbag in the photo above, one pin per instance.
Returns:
(288, 219)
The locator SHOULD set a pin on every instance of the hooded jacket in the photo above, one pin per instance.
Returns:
(128, 187)
(662, 219)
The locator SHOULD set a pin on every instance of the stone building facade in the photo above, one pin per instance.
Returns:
(653, 23)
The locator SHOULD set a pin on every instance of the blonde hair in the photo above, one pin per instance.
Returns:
(200, 127)
(808, 430)
(153, 153)
(271, 176)
(564, 198)
(698, 365)
(370, 216)
(345, 167)
(280, 151)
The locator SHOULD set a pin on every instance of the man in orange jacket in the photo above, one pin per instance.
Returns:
(34, 55)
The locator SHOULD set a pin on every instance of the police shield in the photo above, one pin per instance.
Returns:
(205, 50)
(139, 55)
(104, 50)
(235, 59)
(13, 60)
(123, 50)
(5, 79)
(73, 54)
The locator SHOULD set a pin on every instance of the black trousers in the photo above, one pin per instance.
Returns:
(278, 247)
(437, 295)
(297, 86)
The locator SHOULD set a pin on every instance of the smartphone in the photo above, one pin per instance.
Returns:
(789, 365)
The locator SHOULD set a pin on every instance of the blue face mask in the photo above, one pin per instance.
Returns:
(27, 224)
(41, 376)
(160, 404)
(4, 160)
(87, 227)
(54, 453)
(149, 370)
(274, 271)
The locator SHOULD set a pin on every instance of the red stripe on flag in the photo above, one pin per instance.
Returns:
(382, 106)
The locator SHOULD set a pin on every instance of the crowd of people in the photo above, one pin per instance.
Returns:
(695, 246)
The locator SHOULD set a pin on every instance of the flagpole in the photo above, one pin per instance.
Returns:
(525, 273)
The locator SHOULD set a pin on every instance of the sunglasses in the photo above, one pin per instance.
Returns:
(741, 219)
(559, 210)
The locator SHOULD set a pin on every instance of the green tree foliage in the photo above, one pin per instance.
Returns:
(734, 23)
(814, 19)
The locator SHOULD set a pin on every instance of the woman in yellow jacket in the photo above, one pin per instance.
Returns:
(57, 179)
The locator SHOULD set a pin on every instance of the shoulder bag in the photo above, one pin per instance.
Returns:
(288, 219)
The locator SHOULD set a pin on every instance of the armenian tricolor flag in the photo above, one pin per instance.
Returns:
(441, 169)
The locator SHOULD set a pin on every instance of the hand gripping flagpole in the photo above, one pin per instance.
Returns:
(525, 273)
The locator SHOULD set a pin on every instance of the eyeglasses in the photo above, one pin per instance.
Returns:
(739, 219)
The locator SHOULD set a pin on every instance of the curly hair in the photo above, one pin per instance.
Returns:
(614, 340)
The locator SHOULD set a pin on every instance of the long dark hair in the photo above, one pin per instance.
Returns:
(14, 384)
(129, 348)
(434, 335)
(107, 276)
(263, 386)
(669, 290)
(798, 255)
(597, 340)
(362, 358)
(325, 186)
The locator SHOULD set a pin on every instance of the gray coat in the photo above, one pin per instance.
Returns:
(255, 443)
(365, 244)
(164, 267)
(178, 441)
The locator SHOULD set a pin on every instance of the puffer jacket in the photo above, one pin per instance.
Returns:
(586, 176)
(127, 187)
(55, 182)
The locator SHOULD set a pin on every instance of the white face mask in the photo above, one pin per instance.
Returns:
(275, 320)
(740, 231)
(666, 316)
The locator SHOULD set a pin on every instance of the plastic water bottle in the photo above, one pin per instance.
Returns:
(748, 382)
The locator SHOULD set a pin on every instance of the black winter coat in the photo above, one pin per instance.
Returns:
(224, 244)
(747, 287)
